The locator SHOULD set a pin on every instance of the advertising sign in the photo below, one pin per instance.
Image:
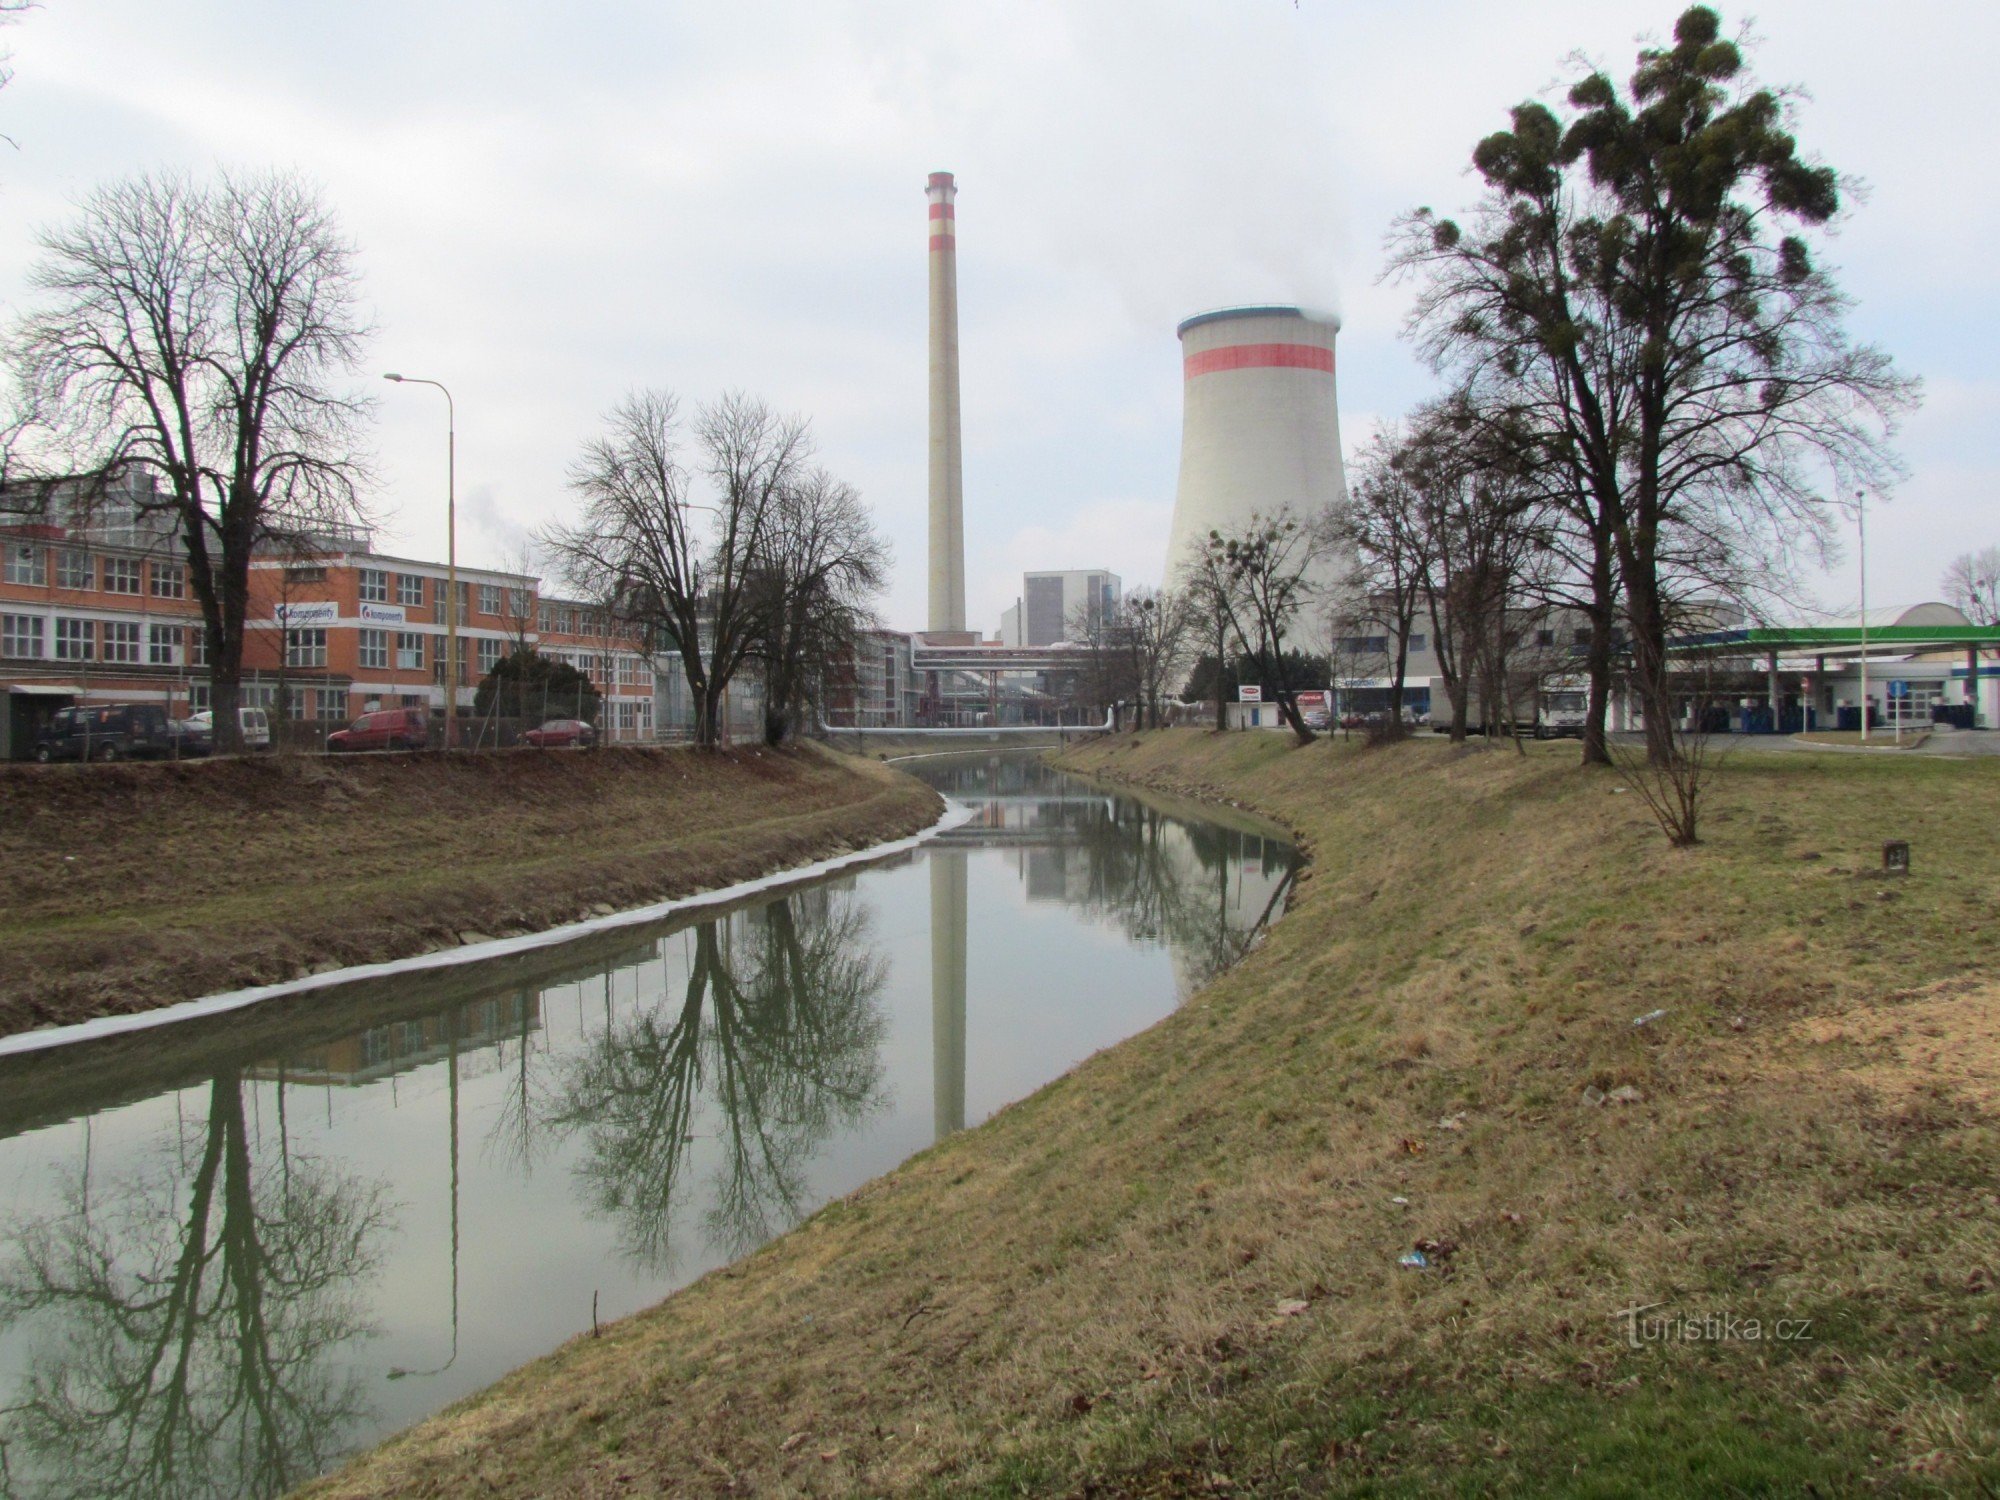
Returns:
(318, 612)
(385, 614)
(1250, 692)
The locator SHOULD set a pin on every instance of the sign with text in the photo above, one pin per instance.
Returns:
(1250, 692)
(316, 612)
(385, 614)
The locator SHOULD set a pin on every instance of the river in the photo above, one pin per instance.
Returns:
(237, 1249)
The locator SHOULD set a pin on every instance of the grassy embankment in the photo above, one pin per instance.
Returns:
(132, 886)
(1174, 1271)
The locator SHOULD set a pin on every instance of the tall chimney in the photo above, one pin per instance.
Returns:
(947, 601)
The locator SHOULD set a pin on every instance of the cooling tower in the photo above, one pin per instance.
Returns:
(1260, 432)
(947, 592)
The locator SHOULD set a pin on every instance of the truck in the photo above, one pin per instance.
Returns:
(1563, 707)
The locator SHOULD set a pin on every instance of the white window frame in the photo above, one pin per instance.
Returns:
(23, 637)
(409, 651)
(73, 568)
(167, 580)
(79, 642)
(121, 644)
(374, 648)
(374, 585)
(163, 645)
(489, 598)
(306, 647)
(410, 590)
(121, 576)
(26, 564)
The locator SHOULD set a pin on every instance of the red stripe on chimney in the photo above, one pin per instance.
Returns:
(942, 211)
(1259, 357)
(943, 241)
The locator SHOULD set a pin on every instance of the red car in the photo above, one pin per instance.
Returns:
(561, 732)
(390, 729)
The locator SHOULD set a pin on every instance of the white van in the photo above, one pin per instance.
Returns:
(255, 722)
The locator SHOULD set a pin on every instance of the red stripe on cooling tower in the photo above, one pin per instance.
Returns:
(942, 211)
(941, 242)
(1259, 357)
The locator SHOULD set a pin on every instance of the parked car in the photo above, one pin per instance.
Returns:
(187, 739)
(254, 722)
(385, 729)
(557, 732)
(113, 731)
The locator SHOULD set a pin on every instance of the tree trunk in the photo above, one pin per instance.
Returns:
(1603, 615)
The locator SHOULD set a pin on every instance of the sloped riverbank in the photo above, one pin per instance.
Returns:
(1526, 1155)
(134, 886)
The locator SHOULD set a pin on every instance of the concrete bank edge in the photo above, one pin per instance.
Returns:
(955, 814)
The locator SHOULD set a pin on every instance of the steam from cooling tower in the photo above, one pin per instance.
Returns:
(1260, 426)
(947, 582)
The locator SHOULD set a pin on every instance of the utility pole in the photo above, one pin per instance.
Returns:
(451, 556)
(1861, 526)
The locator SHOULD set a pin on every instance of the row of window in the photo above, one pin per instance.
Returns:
(27, 637)
(410, 590)
(1371, 645)
(123, 642)
(562, 619)
(76, 569)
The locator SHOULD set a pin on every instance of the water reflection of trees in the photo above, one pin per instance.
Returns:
(1157, 877)
(1161, 879)
(183, 1322)
(777, 1025)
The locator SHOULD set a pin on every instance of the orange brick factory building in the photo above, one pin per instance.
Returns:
(97, 609)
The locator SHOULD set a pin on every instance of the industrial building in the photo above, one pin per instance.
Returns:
(1260, 423)
(1061, 606)
(95, 607)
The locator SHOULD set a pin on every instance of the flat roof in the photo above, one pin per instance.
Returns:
(1830, 640)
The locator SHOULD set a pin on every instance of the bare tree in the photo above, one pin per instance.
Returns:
(1158, 626)
(1265, 571)
(1637, 285)
(1205, 584)
(1972, 582)
(1381, 524)
(196, 331)
(816, 579)
(1110, 674)
(1467, 523)
(639, 550)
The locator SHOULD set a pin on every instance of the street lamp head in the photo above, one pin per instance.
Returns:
(397, 378)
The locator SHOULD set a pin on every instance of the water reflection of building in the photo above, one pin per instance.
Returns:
(401, 1046)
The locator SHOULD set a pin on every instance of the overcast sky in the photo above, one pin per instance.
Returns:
(556, 204)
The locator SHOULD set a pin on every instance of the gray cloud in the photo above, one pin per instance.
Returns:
(556, 205)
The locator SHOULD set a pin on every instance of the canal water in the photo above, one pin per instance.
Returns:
(235, 1250)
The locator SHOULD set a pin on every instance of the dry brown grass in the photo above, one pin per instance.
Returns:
(1175, 1269)
(132, 886)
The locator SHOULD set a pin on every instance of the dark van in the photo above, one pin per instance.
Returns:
(115, 731)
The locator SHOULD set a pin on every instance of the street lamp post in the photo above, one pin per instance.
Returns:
(1861, 527)
(451, 556)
